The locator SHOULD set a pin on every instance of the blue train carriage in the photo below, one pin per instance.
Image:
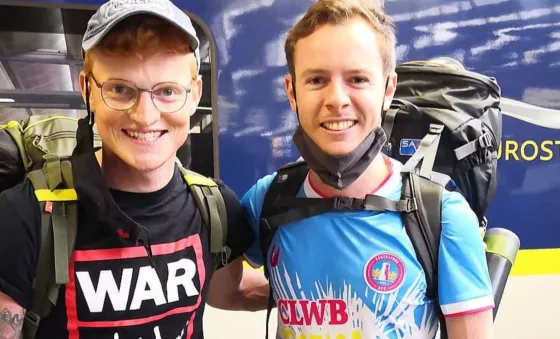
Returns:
(242, 129)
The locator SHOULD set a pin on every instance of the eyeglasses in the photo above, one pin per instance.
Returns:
(121, 95)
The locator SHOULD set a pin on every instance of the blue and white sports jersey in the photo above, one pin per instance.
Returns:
(355, 274)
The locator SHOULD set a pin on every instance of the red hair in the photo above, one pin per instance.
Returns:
(142, 35)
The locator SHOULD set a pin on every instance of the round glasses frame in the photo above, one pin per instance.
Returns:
(138, 90)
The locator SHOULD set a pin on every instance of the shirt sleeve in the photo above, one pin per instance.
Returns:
(19, 242)
(239, 234)
(252, 203)
(464, 281)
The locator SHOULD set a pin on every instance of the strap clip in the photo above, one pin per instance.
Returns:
(32, 318)
(225, 255)
(408, 205)
(388, 148)
(264, 222)
(345, 204)
(436, 129)
(485, 140)
(484, 223)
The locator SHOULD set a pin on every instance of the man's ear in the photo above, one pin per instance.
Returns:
(289, 87)
(196, 92)
(83, 79)
(390, 91)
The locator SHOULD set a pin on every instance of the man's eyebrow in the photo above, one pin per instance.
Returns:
(311, 71)
(359, 71)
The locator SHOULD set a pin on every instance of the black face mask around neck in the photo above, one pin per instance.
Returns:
(339, 171)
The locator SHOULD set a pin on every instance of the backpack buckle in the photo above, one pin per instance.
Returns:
(343, 203)
(485, 140)
(436, 129)
(484, 223)
(32, 318)
(225, 254)
(408, 205)
(388, 149)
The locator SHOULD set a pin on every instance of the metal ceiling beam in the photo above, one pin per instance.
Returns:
(61, 59)
(41, 19)
(42, 99)
(11, 74)
(43, 58)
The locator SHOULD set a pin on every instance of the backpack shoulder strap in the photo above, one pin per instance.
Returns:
(212, 207)
(423, 225)
(59, 222)
(287, 182)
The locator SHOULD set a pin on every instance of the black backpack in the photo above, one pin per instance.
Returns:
(445, 126)
(467, 105)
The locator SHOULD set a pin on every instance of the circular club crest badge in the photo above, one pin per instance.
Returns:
(384, 272)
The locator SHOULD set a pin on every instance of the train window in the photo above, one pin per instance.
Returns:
(40, 60)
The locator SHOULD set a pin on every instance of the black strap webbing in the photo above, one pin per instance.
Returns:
(423, 227)
(269, 308)
(287, 181)
(301, 208)
(388, 123)
(484, 141)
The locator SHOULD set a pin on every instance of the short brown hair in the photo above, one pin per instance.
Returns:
(142, 34)
(337, 12)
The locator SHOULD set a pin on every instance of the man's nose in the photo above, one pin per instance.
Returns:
(144, 113)
(336, 96)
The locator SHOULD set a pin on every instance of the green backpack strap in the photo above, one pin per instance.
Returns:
(59, 219)
(211, 205)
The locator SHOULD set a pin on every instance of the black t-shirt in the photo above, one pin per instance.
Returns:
(114, 292)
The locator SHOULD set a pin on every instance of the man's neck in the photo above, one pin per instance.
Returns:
(122, 177)
(367, 183)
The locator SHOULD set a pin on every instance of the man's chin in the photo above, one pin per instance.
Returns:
(338, 149)
(147, 166)
(144, 163)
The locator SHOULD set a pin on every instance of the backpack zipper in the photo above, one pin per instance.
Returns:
(62, 135)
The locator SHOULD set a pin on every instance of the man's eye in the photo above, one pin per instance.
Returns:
(119, 89)
(315, 81)
(359, 80)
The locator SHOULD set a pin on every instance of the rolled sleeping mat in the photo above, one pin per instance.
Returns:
(502, 246)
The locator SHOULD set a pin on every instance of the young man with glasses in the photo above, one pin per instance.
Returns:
(141, 267)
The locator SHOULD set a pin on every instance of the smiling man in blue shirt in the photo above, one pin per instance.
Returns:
(355, 274)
